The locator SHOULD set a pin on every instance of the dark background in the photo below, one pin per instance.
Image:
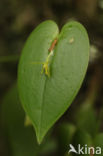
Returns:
(19, 17)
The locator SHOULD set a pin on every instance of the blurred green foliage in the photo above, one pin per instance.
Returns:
(85, 116)
(22, 140)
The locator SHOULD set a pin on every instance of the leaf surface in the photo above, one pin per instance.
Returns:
(20, 138)
(45, 98)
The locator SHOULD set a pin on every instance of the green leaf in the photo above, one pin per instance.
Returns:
(46, 98)
(21, 139)
(98, 142)
(86, 119)
(83, 138)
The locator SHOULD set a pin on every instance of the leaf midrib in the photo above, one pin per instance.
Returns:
(42, 103)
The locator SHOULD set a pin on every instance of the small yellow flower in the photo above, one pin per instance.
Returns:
(46, 69)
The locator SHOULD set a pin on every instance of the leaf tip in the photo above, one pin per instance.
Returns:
(39, 139)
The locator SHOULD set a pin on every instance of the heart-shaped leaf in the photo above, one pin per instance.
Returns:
(62, 59)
